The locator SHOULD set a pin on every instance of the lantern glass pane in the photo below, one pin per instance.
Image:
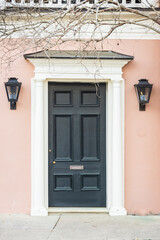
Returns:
(12, 92)
(143, 94)
(137, 93)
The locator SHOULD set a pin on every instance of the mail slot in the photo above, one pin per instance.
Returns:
(76, 167)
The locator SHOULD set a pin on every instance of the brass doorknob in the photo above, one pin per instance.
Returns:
(54, 162)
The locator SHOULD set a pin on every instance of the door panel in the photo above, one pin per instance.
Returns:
(90, 137)
(63, 137)
(77, 139)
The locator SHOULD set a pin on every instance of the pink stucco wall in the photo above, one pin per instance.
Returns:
(142, 138)
(15, 142)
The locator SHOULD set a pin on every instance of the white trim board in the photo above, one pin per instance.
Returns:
(133, 29)
(84, 71)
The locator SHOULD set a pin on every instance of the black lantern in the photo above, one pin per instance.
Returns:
(12, 89)
(143, 90)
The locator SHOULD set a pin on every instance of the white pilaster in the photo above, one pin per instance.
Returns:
(38, 178)
(117, 201)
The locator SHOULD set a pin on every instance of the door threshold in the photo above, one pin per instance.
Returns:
(78, 210)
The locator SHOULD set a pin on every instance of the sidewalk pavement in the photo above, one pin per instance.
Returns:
(79, 226)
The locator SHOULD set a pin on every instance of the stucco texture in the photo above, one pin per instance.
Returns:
(142, 138)
(15, 141)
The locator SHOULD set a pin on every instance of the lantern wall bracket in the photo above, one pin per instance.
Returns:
(142, 107)
(13, 105)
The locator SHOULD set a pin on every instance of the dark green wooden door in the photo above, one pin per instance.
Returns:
(77, 145)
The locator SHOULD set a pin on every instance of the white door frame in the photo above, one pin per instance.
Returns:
(84, 71)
